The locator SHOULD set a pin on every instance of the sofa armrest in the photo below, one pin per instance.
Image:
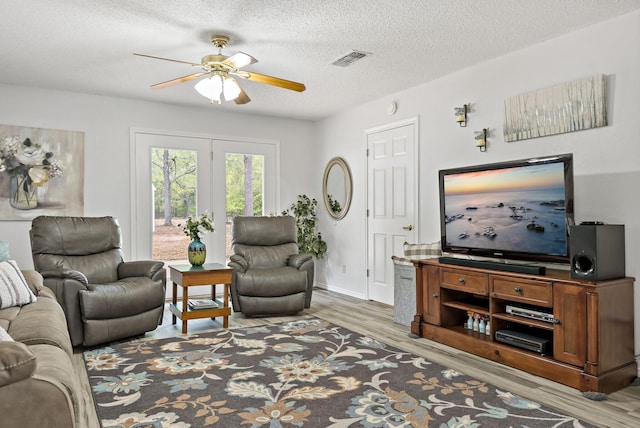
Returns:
(63, 274)
(297, 260)
(238, 263)
(140, 268)
(34, 280)
(17, 362)
(66, 284)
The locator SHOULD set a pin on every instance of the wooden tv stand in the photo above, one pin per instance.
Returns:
(590, 333)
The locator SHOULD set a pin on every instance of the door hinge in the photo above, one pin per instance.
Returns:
(367, 212)
(367, 152)
(367, 273)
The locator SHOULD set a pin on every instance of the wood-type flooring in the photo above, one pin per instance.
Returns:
(620, 409)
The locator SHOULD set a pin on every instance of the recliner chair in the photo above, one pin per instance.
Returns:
(269, 276)
(104, 298)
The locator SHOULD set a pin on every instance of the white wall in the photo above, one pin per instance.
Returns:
(607, 160)
(107, 121)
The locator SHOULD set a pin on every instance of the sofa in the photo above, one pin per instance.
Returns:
(104, 297)
(270, 276)
(38, 387)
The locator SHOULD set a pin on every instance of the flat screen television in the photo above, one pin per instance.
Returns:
(517, 210)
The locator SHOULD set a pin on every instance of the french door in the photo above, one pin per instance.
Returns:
(203, 176)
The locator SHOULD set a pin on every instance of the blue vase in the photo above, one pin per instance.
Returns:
(197, 252)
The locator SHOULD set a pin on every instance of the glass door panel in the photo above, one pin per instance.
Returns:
(244, 189)
(173, 176)
(245, 175)
(189, 175)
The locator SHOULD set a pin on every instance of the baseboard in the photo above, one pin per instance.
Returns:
(340, 290)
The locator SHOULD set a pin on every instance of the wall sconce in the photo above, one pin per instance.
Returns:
(481, 139)
(461, 115)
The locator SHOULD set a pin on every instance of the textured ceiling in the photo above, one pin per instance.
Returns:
(87, 46)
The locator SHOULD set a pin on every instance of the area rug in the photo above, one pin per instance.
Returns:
(303, 373)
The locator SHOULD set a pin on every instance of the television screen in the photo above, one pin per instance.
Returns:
(512, 210)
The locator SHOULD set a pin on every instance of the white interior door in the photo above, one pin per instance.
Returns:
(391, 203)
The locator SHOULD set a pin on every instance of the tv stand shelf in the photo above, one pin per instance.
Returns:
(525, 321)
(591, 343)
(467, 306)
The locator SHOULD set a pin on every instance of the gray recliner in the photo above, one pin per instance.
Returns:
(104, 298)
(270, 277)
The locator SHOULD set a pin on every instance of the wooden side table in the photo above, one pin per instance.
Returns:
(207, 274)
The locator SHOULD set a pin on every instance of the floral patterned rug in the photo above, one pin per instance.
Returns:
(303, 373)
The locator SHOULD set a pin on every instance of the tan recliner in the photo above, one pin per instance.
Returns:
(104, 298)
(269, 276)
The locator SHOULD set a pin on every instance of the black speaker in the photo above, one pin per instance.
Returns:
(597, 251)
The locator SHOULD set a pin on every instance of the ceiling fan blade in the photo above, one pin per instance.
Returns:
(269, 80)
(243, 98)
(178, 80)
(167, 59)
(239, 60)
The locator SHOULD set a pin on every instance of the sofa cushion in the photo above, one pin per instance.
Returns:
(266, 256)
(90, 245)
(129, 296)
(34, 281)
(17, 362)
(48, 398)
(259, 306)
(14, 290)
(8, 315)
(42, 322)
(271, 282)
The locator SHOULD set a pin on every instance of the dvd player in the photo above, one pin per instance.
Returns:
(523, 340)
(530, 313)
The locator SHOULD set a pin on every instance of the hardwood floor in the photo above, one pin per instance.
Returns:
(621, 409)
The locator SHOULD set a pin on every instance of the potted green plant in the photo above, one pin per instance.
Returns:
(193, 227)
(309, 239)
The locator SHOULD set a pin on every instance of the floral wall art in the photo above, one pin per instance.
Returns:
(568, 107)
(41, 172)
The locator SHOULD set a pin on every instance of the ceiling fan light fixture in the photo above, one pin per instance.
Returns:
(230, 89)
(210, 87)
(215, 87)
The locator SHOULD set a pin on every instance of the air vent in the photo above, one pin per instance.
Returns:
(350, 58)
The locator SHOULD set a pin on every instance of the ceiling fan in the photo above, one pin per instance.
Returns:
(220, 70)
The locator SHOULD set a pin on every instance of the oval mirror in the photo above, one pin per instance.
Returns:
(336, 188)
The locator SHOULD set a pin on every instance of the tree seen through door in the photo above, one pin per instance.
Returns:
(175, 195)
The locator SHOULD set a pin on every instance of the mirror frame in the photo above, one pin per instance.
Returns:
(337, 161)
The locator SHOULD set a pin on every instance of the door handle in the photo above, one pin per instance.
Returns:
(410, 227)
